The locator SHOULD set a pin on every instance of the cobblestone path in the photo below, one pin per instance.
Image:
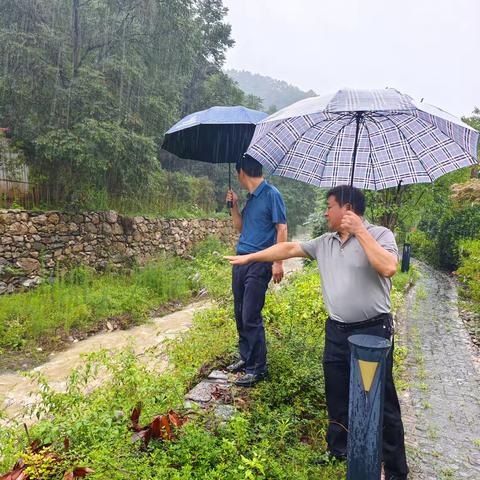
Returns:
(441, 408)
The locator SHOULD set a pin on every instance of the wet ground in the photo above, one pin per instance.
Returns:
(441, 408)
(15, 388)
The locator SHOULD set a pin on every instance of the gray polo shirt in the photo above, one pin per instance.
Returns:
(352, 290)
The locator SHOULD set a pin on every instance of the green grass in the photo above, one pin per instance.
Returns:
(469, 270)
(79, 299)
(278, 432)
(401, 282)
(278, 436)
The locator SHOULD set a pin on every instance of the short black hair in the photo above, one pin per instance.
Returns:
(346, 194)
(250, 166)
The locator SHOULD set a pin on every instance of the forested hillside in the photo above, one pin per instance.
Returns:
(275, 94)
(88, 87)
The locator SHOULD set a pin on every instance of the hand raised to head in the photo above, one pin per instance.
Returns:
(351, 222)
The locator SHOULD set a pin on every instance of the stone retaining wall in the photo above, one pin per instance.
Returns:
(34, 243)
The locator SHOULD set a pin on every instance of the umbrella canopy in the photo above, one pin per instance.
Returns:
(372, 139)
(216, 135)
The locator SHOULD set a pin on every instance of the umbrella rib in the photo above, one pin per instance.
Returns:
(466, 152)
(331, 121)
(409, 146)
(371, 149)
(338, 133)
(330, 144)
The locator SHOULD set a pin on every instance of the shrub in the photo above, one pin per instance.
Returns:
(83, 297)
(469, 271)
(455, 226)
(423, 248)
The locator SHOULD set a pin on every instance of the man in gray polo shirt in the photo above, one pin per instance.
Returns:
(356, 261)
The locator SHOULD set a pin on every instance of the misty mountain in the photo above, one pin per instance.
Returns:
(275, 94)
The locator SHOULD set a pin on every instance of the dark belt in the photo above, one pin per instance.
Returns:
(377, 320)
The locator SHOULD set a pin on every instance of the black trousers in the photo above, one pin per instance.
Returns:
(249, 285)
(336, 365)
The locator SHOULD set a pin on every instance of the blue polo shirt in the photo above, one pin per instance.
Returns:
(264, 209)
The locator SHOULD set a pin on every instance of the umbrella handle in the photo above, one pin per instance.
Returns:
(229, 202)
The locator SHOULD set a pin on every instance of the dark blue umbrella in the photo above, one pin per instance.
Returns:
(216, 135)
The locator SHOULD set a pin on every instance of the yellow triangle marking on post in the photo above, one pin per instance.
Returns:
(367, 369)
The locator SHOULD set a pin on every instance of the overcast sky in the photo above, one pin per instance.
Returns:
(426, 48)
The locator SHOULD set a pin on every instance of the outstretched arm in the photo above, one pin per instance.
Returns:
(280, 251)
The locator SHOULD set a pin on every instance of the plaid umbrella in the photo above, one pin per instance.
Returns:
(372, 139)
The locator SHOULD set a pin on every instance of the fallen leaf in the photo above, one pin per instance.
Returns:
(176, 420)
(135, 417)
(159, 428)
(82, 472)
(156, 427)
(166, 424)
(13, 475)
(35, 446)
(143, 435)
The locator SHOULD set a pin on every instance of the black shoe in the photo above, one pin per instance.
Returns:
(329, 457)
(392, 476)
(250, 379)
(236, 367)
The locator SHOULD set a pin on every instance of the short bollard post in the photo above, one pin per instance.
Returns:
(365, 413)
(407, 251)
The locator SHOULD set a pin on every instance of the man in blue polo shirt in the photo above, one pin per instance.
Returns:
(261, 224)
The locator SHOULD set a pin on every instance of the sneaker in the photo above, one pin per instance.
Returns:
(250, 379)
(236, 367)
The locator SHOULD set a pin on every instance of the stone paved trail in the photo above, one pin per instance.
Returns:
(441, 408)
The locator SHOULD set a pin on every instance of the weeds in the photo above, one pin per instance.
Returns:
(81, 298)
(278, 434)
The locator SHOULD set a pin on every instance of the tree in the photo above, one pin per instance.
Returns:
(300, 200)
(98, 155)
(213, 38)
(474, 122)
(89, 86)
